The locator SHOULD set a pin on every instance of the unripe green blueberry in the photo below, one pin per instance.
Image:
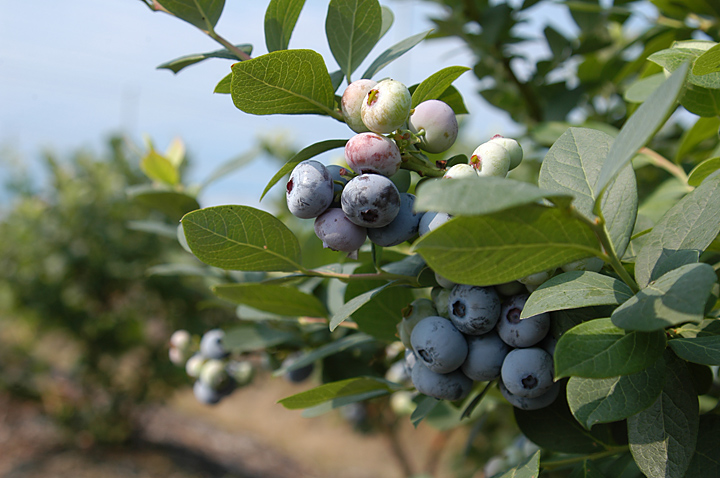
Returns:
(509, 289)
(513, 147)
(213, 373)
(592, 264)
(194, 365)
(351, 103)
(441, 298)
(180, 339)
(386, 107)
(491, 159)
(461, 171)
(412, 314)
(241, 371)
(438, 121)
(534, 280)
(443, 282)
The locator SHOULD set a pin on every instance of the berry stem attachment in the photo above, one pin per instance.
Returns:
(418, 162)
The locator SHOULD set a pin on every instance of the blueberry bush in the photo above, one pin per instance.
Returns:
(568, 274)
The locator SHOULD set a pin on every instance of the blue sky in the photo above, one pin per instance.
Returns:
(73, 72)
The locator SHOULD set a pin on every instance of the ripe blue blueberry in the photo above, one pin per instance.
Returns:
(297, 375)
(310, 189)
(518, 332)
(474, 310)
(370, 200)
(336, 231)
(211, 344)
(527, 372)
(403, 228)
(443, 386)
(486, 354)
(432, 220)
(204, 393)
(438, 344)
(525, 403)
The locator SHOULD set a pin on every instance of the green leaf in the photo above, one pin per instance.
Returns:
(704, 128)
(184, 61)
(703, 350)
(677, 297)
(555, 428)
(641, 126)
(423, 409)
(598, 349)
(178, 269)
(572, 290)
(690, 225)
(353, 28)
(283, 82)
(573, 166)
(640, 90)
(705, 461)
(354, 304)
(249, 338)
(529, 468)
(388, 18)
(378, 317)
(606, 400)
(662, 437)
(224, 86)
(701, 101)
(158, 168)
(204, 14)
(708, 62)
(673, 58)
(275, 299)
(280, 19)
(507, 245)
(336, 346)
(393, 53)
(703, 170)
(241, 238)
(174, 204)
(587, 469)
(454, 100)
(481, 195)
(334, 391)
(435, 85)
(306, 153)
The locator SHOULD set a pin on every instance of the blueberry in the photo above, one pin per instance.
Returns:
(441, 298)
(438, 344)
(211, 344)
(386, 106)
(486, 354)
(336, 172)
(460, 171)
(351, 103)
(524, 403)
(444, 386)
(370, 200)
(372, 153)
(241, 372)
(527, 372)
(213, 374)
(336, 231)
(474, 310)
(410, 360)
(180, 339)
(309, 191)
(432, 220)
(194, 365)
(438, 121)
(443, 282)
(518, 332)
(297, 375)
(206, 394)
(412, 314)
(592, 264)
(491, 159)
(403, 228)
(512, 146)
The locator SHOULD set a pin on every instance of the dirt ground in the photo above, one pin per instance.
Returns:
(247, 435)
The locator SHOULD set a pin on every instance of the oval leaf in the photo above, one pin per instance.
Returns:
(675, 298)
(704, 350)
(393, 53)
(280, 19)
(598, 349)
(159, 168)
(241, 238)
(690, 225)
(204, 14)
(529, 468)
(504, 246)
(283, 82)
(435, 85)
(275, 299)
(481, 195)
(576, 289)
(335, 390)
(353, 27)
(662, 437)
(605, 400)
(703, 170)
(249, 338)
(708, 62)
(354, 304)
(184, 61)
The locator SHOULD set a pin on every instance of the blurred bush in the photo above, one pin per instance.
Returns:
(83, 327)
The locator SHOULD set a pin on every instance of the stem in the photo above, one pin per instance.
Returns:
(367, 276)
(664, 163)
(420, 165)
(241, 55)
(550, 465)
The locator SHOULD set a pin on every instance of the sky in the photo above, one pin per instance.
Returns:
(74, 72)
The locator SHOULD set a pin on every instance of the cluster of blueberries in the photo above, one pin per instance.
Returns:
(216, 375)
(470, 333)
(368, 198)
